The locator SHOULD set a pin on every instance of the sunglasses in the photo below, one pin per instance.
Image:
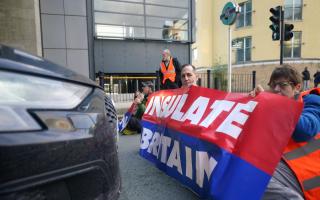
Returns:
(282, 84)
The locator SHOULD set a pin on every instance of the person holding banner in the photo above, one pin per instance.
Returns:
(131, 122)
(297, 174)
(220, 145)
(169, 71)
(188, 75)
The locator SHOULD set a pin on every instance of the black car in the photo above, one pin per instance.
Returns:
(57, 132)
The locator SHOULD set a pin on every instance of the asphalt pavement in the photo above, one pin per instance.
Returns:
(141, 180)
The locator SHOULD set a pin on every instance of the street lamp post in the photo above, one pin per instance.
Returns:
(228, 17)
(229, 60)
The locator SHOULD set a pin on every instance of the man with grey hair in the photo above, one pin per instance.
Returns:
(188, 76)
(169, 71)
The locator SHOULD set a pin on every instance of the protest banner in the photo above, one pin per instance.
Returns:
(220, 145)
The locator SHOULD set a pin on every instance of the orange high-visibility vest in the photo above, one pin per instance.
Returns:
(304, 160)
(168, 73)
(311, 91)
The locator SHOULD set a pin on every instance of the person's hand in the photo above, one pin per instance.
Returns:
(256, 91)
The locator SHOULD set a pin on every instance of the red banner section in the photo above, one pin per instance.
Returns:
(244, 126)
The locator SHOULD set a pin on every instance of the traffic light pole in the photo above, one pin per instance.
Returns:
(280, 30)
(281, 35)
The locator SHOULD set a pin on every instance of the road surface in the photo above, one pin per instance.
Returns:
(141, 180)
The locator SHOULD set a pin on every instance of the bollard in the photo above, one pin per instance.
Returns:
(208, 78)
(253, 79)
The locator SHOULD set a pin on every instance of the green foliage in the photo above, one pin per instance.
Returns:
(219, 76)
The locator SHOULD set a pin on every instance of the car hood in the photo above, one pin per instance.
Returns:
(16, 60)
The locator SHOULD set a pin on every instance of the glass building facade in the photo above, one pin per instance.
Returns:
(167, 20)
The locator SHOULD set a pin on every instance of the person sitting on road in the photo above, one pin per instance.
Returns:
(137, 110)
(188, 76)
(290, 179)
(146, 90)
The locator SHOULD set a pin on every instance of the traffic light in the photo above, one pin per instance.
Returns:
(276, 22)
(288, 32)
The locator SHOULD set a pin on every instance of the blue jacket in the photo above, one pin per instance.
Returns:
(309, 122)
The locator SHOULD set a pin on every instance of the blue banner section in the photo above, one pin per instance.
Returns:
(204, 167)
(123, 124)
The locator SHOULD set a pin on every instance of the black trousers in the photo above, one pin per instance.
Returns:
(134, 124)
(169, 85)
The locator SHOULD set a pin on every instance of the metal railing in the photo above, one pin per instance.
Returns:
(123, 84)
(121, 88)
(219, 80)
(123, 97)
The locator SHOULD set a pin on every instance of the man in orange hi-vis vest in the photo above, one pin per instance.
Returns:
(297, 175)
(169, 71)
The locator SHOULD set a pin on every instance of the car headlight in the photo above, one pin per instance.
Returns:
(20, 92)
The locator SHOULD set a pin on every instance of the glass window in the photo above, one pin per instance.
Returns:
(167, 34)
(122, 7)
(293, 10)
(239, 56)
(245, 15)
(110, 31)
(180, 24)
(162, 22)
(243, 49)
(118, 19)
(167, 12)
(143, 19)
(133, 1)
(180, 3)
(292, 48)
